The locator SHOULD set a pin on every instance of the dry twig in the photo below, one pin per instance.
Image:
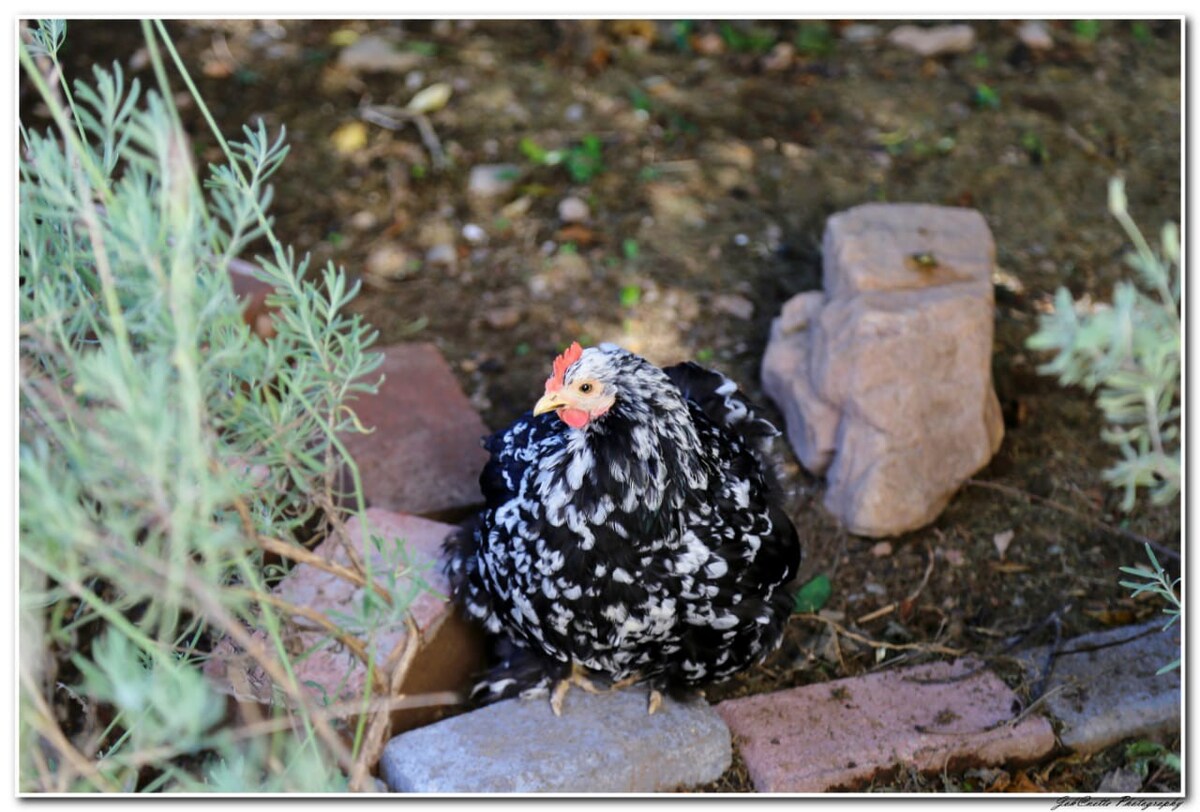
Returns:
(381, 721)
(932, 648)
(46, 725)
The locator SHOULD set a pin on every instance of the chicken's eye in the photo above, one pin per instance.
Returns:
(585, 388)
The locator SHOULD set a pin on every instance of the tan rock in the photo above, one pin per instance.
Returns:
(811, 421)
(886, 384)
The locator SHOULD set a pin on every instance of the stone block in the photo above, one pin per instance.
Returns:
(1103, 687)
(601, 744)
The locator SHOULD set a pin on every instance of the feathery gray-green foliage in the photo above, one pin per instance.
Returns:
(1156, 580)
(160, 439)
(1127, 352)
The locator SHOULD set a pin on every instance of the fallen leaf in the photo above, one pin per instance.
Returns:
(1023, 783)
(349, 138)
(1112, 617)
(431, 99)
(343, 37)
(954, 558)
(517, 208)
(813, 595)
(1002, 540)
(577, 233)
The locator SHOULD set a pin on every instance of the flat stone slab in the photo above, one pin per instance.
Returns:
(1102, 690)
(601, 743)
(424, 455)
(838, 735)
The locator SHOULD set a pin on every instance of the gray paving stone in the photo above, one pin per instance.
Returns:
(602, 743)
(1103, 695)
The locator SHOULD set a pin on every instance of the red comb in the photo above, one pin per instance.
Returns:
(569, 356)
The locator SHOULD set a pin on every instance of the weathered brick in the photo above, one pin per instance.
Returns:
(839, 734)
(1103, 687)
(450, 651)
(252, 292)
(601, 743)
(424, 455)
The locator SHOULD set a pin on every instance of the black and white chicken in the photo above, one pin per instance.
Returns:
(630, 534)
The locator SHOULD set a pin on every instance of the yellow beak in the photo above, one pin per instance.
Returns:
(549, 402)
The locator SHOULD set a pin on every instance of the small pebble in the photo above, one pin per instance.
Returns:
(1035, 35)
(1121, 780)
(473, 233)
(733, 305)
(573, 210)
(860, 33)
(503, 318)
(443, 254)
(492, 180)
(374, 54)
(940, 39)
(780, 58)
(741, 239)
(389, 261)
(574, 113)
(882, 550)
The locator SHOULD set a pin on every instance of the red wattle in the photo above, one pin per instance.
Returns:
(575, 418)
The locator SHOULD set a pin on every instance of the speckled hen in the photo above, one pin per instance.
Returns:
(630, 534)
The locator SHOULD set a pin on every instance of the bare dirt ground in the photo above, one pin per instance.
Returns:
(708, 157)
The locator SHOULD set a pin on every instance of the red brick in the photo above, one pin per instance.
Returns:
(253, 295)
(839, 734)
(451, 649)
(424, 455)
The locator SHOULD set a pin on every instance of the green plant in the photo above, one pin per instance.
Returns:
(1156, 581)
(1141, 31)
(1128, 353)
(815, 38)
(1139, 755)
(814, 594)
(1034, 147)
(583, 161)
(747, 38)
(1087, 30)
(985, 97)
(164, 447)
